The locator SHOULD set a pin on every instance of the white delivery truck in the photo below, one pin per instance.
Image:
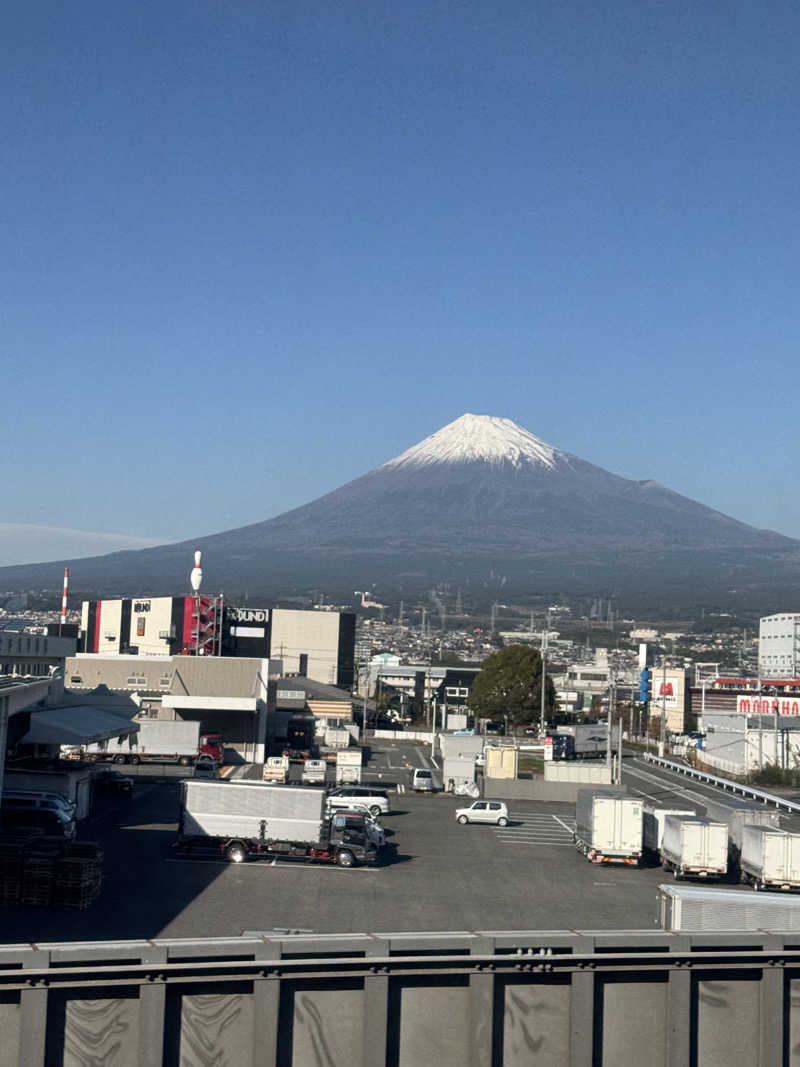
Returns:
(314, 772)
(161, 740)
(770, 858)
(738, 814)
(653, 826)
(245, 819)
(694, 848)
(590, 739)
(608, 827)
(697, 909)
(276, 769)
(348, 766)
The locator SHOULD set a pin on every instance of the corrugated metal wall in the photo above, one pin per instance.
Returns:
(406, 1000)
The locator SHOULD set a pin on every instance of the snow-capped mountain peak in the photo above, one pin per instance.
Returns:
(479, 438)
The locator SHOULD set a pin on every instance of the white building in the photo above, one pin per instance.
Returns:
(779, 645)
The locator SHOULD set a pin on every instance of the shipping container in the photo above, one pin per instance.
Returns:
(683, 908)
(694, 848)
(608, 827)
(770, 858)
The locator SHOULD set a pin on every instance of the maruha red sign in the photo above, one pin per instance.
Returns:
(755, 705)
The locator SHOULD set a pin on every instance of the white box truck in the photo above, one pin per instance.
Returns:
(694, 848)
(276, 769)
(158, 740)
(697, 909)
(245, 819)
(608, 827)
(770, 858)
(653, 825)
(590, 739)
(314, 772)
(738, 814)
(348, 766)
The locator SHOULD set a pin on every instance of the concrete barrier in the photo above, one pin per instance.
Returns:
(537, 788)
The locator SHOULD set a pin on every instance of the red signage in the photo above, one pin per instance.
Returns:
(755, 705)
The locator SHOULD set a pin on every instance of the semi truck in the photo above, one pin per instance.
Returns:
(692, 847)
(249, 820)
(158, 740)
(698, 909)
(588, 740)
(608, 827)
(770, 858)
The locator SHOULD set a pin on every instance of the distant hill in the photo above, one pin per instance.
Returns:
(481, 502)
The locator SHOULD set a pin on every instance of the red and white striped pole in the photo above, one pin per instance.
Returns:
(64, 601)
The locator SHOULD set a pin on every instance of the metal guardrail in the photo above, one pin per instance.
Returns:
(724, 783)
(459, 999)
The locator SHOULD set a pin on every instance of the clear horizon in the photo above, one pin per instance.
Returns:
(252, 254)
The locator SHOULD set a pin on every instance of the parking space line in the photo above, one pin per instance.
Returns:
(263, 865)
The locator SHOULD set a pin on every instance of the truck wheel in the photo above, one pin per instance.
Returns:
(133, 759)
(463, 820)
(502, 821)
(236, 852)
(120, 759)
(185, 761)
(345, 858)
(375, 810)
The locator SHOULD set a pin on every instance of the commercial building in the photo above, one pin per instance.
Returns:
(670, 695)
(315, 644)
(227, 695)
(779, 645)
(24, 654)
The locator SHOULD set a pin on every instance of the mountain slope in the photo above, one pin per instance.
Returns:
(481, 496)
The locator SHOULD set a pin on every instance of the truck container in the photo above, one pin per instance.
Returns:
(697, 909)
(158, 740)
(770, 858)
(738, 814)
(653, 825)
(590, 740)
(245, 819)
(348, 766)
(276, 769)
(608, 827)
(337, 737)
(692, 847)
(314, 772)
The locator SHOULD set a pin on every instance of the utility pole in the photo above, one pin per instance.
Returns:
(662, 743)
(760, 729)
(609, 736)
(544, 679)
(619, 743)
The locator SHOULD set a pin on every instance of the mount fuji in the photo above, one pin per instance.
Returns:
(479, 502)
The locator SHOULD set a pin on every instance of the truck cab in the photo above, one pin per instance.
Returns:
(212, 745)
(350, 840)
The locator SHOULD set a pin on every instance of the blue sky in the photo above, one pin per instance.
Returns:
(252, 250)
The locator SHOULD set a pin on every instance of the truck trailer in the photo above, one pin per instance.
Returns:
(653, 826)
(697, 909)
(589, 740)
(158, 740)
(694, 848)
(249, 820)
(608, 827)
(738, 814)
(770, 858)
(348, 766)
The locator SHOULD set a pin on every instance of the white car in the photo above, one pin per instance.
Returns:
(493, 811)
(345, 796)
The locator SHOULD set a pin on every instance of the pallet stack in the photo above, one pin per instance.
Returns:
(78, 876)
(40, 871)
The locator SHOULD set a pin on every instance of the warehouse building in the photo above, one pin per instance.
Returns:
(779, 645)
(315, 644)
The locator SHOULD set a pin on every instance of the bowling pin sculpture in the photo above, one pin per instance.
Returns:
(196, 577)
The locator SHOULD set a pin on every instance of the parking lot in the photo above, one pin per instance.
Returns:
(436, 875)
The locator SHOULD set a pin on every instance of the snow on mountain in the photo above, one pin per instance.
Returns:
(479, 438)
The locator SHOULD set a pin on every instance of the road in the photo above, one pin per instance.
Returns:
(656, 785)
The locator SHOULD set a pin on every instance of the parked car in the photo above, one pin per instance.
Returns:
(422, 780)
(51, 820)
(345, 796)
(31, 796)
(114, 782)
(492, 811)
(206, 768)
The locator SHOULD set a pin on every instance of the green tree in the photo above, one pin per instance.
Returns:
(510, 683)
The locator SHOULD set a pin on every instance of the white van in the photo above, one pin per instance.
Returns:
(422, 781)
